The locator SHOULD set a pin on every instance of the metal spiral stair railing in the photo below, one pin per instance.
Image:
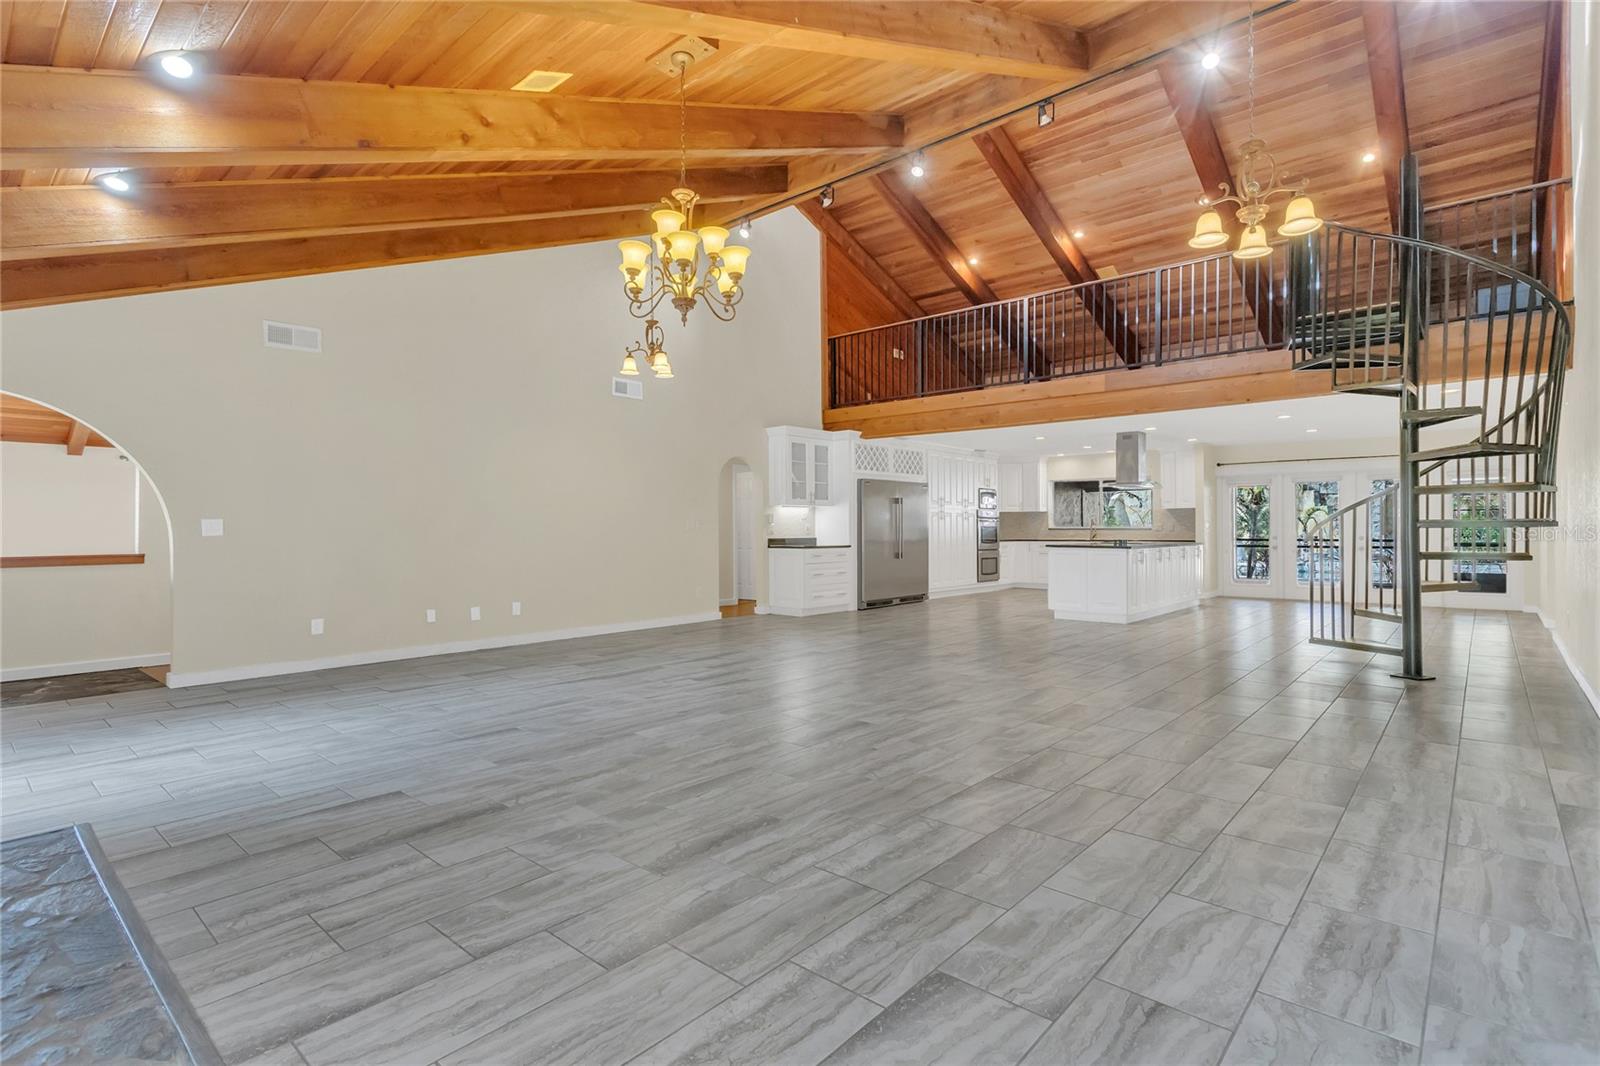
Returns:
(1459, 339)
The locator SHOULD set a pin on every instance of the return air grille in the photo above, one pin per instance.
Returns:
(623, 389)
(295, 338)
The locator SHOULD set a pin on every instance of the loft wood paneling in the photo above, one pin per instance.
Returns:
(25, 422)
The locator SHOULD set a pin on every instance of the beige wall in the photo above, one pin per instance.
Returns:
(71, 619)
(55, 503)
(1569, 561)
(453, 445)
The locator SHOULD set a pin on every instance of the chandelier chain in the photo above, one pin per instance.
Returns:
(1252, 31)
(683, 124)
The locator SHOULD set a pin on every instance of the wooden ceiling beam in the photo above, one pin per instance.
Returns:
(57, 117)
(941, 34)
(1185, 89)
(1550, 135)
(932, 238)
(1000, 152)
(77, 438)
(1380, 26)
(49, 220)
(67, 278)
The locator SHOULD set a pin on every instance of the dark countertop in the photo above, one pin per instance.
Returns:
(806, 547)
(1125, 545)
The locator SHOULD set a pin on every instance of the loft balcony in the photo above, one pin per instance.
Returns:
(1199, 333)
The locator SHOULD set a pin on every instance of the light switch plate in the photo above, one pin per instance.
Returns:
(316, 627)
(516, 607)
(433, 616)
(211, 527)
(476, 613)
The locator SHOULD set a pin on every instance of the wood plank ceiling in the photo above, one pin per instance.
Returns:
(332, 135)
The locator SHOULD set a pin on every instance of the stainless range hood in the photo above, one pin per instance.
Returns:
(1132, 473)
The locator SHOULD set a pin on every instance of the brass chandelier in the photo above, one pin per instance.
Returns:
(1259, 182)
(670, 265)
(652, 353)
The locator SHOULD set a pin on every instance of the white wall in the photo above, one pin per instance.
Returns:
(1569, 559)
(71, 619)
(53, 503)
(454, 444)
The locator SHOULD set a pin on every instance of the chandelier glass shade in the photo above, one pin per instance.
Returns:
(1258, 183)
(679, 263)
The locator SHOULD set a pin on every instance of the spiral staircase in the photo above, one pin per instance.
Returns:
(1475, 353)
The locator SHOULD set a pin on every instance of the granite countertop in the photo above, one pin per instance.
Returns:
(806, 547)
(1125, 545)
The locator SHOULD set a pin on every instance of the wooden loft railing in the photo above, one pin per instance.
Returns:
(1169, 315)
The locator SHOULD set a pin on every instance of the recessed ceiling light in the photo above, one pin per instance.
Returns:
(1210, 60)
(1077, 234)
(1369, 157)
(1284, 418)
(541, 81)
(972, 260)
(1190, 440)
(177, 65)
(1310, 431)
(1088, 447)
(1038, 438)
(113, 182)
(1060, 454)
(1149, 429)
(919, 165)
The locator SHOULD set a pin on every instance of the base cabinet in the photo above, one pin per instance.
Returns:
(1123, 585)
(1024, 563)
(805, 581)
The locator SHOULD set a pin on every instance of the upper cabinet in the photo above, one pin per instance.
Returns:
(801, 467)
(1020, 485)
(954, 478)
(1178, 477)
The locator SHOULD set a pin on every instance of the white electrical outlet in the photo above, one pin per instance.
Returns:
(211, 527)
(433, 616)
(316, 627)
(476, 614)
(516, 608)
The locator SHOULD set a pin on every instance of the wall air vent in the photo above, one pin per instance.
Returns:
(295, 338)
(624, 389)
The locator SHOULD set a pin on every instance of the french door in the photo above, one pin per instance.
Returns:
(1266, 514)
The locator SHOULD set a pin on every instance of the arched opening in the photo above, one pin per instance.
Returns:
(737, 514)
(85, 561)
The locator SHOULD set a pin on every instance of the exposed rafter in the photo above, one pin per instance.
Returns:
(932, 238)
(51, 117)
(1186, 93)
(1550, 137)
(62, 279)
(50, 220)
(77, 438)
(1001, 153)
(1380, 24)
(940, 34)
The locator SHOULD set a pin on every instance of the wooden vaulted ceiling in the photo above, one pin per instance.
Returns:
(340, 134)
(25, 422)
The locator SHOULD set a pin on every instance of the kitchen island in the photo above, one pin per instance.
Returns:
(1122, 581)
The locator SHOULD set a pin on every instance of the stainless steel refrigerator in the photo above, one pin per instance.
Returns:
(892, 538)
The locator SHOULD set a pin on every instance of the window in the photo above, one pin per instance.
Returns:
(1125, 509)
(1380, 535)
(1489, 574)
(1314, 503)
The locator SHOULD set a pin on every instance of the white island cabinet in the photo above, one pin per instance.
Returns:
(1106, 583)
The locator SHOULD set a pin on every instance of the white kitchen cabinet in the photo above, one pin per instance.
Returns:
(801, 470)
(805, 581)
(1020, 485)
(1123, 584)
(1178, 478)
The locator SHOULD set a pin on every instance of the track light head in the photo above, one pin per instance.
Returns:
(1046, 113)
(825, 197)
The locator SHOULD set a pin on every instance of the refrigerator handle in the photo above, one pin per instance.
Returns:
(899, 527)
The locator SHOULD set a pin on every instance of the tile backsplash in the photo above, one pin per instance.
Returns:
(1034, 525)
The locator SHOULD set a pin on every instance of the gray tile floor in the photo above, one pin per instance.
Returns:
(956, 832)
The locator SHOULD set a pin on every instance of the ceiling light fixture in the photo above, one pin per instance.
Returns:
(1149, 429)
(1077, 234)
(1088, 447)
(1299, 217)
(1210, 61)
(1190, 440)
(744, 230)
(1038, 438)
(178, 65)
(113, 181)
(1284, 418)
(825, 197)
(1369, 157)
(1310, 431)
(671, 260)
(972, 260)
(653, 352)
(1046, 113)
(919, 165)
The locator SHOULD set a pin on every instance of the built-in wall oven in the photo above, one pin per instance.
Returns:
(988, 535)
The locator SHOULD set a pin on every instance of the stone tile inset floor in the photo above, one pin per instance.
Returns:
(957, 830)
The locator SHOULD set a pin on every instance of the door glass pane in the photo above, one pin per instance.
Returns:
(1490, 574)
(1252, 528)
(1314, 501)
(1380, 534)
(821, 478)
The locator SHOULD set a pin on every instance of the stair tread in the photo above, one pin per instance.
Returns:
(1356, 645)
(1468, 556)
(1488, 486)
(1441, 414)
(1485, 523)
(1473, 449)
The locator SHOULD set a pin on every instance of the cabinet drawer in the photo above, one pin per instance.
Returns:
(830, 556)
(835, 578)
(817, 596)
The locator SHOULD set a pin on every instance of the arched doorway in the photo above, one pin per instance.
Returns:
(736, 555)
(85, 561)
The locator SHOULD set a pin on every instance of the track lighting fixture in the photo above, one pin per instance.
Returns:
(1047, 113)
(919, 165)
(744, 230)
(114, 181)
(825, 197)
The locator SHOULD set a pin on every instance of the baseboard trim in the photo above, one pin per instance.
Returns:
(967, 590)
(191, 678)
(87, 666)
(728, 603)
(1566, 657)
